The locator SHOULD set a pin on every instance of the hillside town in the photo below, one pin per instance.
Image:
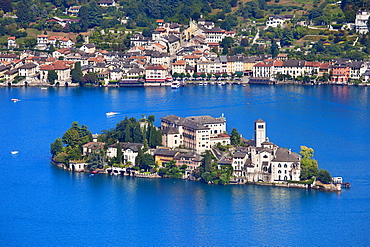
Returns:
(173, 52)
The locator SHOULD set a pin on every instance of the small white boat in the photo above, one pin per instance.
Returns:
(44, 88)
(15, 100)
(14, 152)
(175, 85)
(205, 83)
(111, 113)
(201, 83)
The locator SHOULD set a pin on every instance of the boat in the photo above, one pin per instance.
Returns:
(201, 83)
(44, 88)
(111, 113)
(175, 85)
(15, 100)
(14, 152)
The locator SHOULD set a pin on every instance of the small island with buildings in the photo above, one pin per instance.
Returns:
(195, 148)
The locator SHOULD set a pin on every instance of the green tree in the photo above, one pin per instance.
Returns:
(24, 13)
(274, 49)
(56, 147)
(147, 162)
(119, 153)
(139, 156)
(71, 138)
(52, 76)
(235, 137)
(207, 161)
(324, 176)
(244, 42)
(76, 73)
(309, 166)
(6, 5)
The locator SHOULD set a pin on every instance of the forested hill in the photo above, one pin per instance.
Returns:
(142, 12)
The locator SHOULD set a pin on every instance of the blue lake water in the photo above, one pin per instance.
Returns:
(42, 205)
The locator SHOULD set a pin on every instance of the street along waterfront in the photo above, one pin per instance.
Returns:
(44, 205)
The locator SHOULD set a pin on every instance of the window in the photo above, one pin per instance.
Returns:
(279, 165)
(285, 166)
(279, 172)
(260, 126)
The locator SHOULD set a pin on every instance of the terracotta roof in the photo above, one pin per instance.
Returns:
(278, 63)
(191, 57)
(42, 36)
(96, 59)
(156, 67)
(159, 21)
(58, 65)
(160, 29)
(13, 38)
(261, 64)
(180, 62)
(160, 46)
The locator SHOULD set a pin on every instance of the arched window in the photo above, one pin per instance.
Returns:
(265, 169)
(285, 166)
(285, 178)
(279, 171)
(279, 165)
(265, 156)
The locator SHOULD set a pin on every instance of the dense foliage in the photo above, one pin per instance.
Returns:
(132, 130)
(210, 172)
(70, 146)
(309, 167)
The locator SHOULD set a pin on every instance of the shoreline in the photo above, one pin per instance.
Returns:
(314, 186)
(195, 83)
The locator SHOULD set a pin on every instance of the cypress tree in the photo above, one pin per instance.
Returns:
(119, 152)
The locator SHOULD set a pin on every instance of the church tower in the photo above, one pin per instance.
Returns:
(259, 132)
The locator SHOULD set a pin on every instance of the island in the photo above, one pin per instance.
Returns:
(195, 148)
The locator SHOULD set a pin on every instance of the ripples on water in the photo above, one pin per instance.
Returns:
(44, 205)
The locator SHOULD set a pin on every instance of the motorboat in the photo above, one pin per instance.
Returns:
(14, 152)
(15, 100)
(175, 85)
(111, 113)
(44, 88)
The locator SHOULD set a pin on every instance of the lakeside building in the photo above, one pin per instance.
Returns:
(129, 151)
(264, 160)
(195, 133)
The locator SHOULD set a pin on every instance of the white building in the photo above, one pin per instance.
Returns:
(362, 17)
(265, 161)
(193, 132)
(129, 151)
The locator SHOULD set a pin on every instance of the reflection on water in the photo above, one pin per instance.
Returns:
(42, 203)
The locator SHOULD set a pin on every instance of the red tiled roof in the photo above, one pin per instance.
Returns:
(160, 29)
(160, 46)
(262, 64)
(278, 63)
(191, 57)
(156, 67)
(180, 62)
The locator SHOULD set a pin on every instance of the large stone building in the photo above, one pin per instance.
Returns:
(265, 161)
(195, 133)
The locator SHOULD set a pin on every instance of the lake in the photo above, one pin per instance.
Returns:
(42, 205)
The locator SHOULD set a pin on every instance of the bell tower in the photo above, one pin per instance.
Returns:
(259, 132)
